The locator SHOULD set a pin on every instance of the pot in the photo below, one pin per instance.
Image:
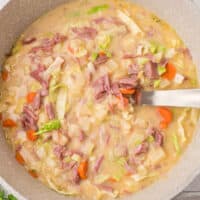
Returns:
(183, 16)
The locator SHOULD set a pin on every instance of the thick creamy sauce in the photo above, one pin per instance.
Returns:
(68, 93)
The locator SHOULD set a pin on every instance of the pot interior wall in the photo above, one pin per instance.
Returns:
(181, 14)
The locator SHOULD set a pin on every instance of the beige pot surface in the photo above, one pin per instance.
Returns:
(181, 14)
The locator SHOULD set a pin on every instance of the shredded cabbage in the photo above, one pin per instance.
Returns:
(61, 103)
(54, 67)
(156, 83)
(176, 143)
(49, 126)
(99, 179)
(129, 22)
(97, 9)
(180, 121)
(161, 70)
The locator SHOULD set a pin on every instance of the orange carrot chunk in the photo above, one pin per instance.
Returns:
(163, 125)
(30, 97)
(123, 100)
(166, 114)
(31, 135)
(126, 91)
(33, 173)
(82, 170)
(9, 123)
(170, 72)
(4, 75)
(19, 158)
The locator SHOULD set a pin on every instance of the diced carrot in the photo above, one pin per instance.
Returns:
(4, 75)
(33, 173)
(30, 97)
(163, 125)
(19, 158)
(71, 50)
(170, 72)
(127, 91)
(113, 180)
(101, 53)
(31, 135)
(1, 116)
(123, 99)
(9, 123)
(166, 114)
(82, 169)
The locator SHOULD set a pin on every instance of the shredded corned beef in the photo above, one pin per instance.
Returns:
(85, 32)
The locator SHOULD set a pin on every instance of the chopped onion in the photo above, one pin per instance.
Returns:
(179, 78)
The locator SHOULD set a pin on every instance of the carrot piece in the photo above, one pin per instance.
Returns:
(163, 125)
(127, 91)
(4, 75)
(82, 169)
(123, 99)
(31, 135)
(113, 180)
(101, 53)
(166, 114)
(170, 72)
(19, 158)
(33, 173)
(30, 97)
(1, 116)
(9, 123)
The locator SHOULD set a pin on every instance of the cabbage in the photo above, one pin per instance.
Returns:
(155, 155)
(71, 191)
(98, 8)
(99, 179)
(156, 83)
(176, 143)
(129, 22)
(141, 174)
(161, 70)
(61, 103)
(180, 121)
(54, 67)
(49, 126)
(105, 44)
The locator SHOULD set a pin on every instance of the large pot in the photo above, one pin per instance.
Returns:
(181, 14)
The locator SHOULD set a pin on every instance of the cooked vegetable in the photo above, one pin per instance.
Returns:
(129, 22)
(127, 91)
(31, 135)
(30, 97)
(61, 103)
(176, 143)
(166, 114)
(97, 9)
(170, 72)
(161, 70)
(9, 123)
(156, 83)
(19, 158)
(4, 75)
(82, 169)
(50, 126)
(33, 173)
(179, 78)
